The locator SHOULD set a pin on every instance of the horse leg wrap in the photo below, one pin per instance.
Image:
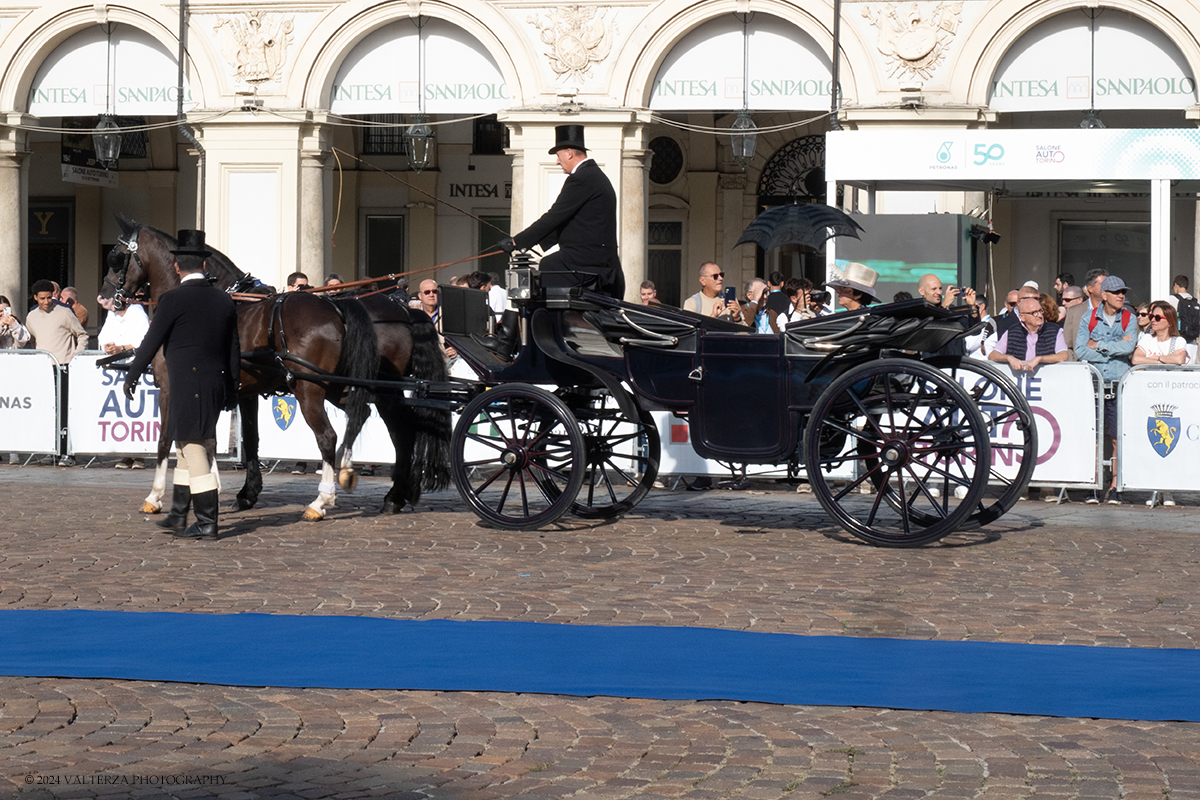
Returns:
(326, 496)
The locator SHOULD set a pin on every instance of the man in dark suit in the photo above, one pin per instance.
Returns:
(196, 325)
(582, 222)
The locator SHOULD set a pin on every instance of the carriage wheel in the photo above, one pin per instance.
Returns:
(1012, 430)
(516, 449)
(909, 428)
(622, 457)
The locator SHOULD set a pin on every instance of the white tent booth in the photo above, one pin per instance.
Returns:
(1062, 162)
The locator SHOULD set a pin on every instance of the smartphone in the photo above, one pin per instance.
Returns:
(730, 294)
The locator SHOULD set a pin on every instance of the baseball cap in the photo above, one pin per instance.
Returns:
(1113, 284)
(1036, 288)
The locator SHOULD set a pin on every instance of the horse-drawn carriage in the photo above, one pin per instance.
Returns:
(900, 450)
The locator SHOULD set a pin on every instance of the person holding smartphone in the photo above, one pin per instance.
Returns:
(13, 334)
(713, 299)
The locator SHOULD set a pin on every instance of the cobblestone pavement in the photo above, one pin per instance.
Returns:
(764, 560)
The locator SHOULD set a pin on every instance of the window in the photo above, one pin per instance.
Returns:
(384, 246)
(667, 161)
(664, 262)
(1121, 247)
(384, 135)
(490, 137)
(488, 236)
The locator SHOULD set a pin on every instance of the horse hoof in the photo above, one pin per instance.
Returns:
(313, 516)
(150, 508)
(244, 505)
(348, 479)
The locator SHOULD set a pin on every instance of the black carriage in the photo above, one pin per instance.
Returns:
(900, 450)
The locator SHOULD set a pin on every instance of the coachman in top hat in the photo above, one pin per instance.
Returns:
(582, 222)
(196, 326)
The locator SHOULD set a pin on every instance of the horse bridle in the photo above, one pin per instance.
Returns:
(120, 296)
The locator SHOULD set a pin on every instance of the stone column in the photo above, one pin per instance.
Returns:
(732, 222)
(634, 216)
(14, 209)
(314, 245)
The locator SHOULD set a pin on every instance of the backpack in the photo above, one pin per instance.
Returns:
(1126, 315)
(1189, 317)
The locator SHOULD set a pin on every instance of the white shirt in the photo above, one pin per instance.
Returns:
(1151, 346)
(497, 300)
(124, 329)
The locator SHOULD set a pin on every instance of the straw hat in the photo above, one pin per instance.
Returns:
(859, 277)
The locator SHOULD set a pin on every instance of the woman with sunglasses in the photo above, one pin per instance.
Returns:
(1143, 318)
(1162, 344)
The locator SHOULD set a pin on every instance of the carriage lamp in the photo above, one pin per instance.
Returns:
(744, 137)
(419, 138)
(521, 277)
(106, 139)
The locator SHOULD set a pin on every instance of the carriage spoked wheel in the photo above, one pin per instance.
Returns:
(1012, 431)
(909, 430)
(622, 455)
(517, 450)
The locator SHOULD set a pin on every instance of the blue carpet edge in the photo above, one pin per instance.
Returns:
(665, 663)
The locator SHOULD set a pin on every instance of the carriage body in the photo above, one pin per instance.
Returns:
(766, 399)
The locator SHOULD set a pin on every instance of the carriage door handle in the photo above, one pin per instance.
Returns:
(697, 374)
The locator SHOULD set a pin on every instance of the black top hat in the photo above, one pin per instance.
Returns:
(191, 243)
(568, 136)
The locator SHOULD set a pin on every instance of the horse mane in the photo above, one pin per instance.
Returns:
(218, 264)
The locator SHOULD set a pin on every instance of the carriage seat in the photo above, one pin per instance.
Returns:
(911, 325)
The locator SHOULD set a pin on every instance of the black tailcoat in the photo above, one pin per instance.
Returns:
(196, 325)
(583, 223)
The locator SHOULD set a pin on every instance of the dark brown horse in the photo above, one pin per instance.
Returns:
(304, 334)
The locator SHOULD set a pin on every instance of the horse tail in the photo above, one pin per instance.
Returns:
(359, 360)
(431, 447)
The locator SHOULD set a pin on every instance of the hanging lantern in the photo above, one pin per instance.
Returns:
(1091, 119)
(744, 137)
(106, 140)
(419, 138)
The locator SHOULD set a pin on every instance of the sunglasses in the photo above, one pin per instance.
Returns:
(430, 291)
(1011, 305)
(1143, 313)
(1155, 317)
(1038, 313)
(716, 275)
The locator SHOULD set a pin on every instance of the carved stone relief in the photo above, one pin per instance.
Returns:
(578, 37)
(914, 37)
(255, 44)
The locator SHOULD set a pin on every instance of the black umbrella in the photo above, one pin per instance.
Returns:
(798, 223)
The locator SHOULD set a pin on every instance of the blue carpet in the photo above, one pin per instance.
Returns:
(633, 661)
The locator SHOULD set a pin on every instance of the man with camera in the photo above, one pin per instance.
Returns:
(713, 299)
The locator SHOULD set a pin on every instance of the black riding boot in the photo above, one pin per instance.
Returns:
(176, 519)
(205, 526)
(504, 343)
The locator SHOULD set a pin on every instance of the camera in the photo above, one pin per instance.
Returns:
(819, 298)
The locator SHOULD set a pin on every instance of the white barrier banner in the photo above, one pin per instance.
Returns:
(102, 421)
(28, 402)
(1158, 428)
(678, 457)
(1063, 398)
(284, 435)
